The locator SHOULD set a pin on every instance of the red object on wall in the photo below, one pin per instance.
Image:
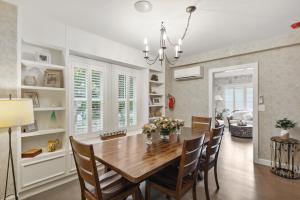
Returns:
(296, 25)
(171, 102)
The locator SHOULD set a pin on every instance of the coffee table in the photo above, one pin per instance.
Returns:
(241, 131)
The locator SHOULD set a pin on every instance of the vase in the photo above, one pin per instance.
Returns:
(148, 138)
(178, 130)
(284, 133)
(164, 134)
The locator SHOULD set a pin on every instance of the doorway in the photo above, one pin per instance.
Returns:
(234, 89)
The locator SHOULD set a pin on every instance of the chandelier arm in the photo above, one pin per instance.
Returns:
(150, 61)
(170, 62)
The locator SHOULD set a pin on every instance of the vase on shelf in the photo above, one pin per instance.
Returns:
(148, 139)
(284, 133)
(164, 134)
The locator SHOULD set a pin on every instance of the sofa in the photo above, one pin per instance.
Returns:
(239, 115)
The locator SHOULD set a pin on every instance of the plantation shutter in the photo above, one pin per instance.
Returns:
(122, 96)
(132, 102)
(80, 100)
(97, 100)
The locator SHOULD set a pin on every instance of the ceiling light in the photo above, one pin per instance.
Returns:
(143, 6)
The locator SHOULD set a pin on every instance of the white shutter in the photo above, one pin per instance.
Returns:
(97, 100)
(80, 116)
(132, 101)
(122, 97)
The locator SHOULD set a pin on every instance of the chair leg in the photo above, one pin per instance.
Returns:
(216, 175)
(195, 191)
(206, 184)
(200, 175)
(147, 191)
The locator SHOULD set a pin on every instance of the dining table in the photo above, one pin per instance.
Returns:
(135, 160)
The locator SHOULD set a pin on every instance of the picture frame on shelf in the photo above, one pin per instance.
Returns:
(34, 96)
(156, 101)
(43, 57)
(30, 128)
(53, 78)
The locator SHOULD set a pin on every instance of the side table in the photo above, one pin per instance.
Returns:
(285, 161)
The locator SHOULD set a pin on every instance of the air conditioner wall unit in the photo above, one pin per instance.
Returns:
(188, 73)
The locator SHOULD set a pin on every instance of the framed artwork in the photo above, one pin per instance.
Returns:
(53, 78)
(156, 101)
(34, 96)
(43, 57)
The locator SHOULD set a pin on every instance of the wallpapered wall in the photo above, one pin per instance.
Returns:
(279, 83)
(8, 80)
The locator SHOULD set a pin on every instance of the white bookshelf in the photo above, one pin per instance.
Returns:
(26, 87)
(49, 109)
(29, 63)
(43, 132)
(156, 92)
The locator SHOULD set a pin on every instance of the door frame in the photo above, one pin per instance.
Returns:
(254, 65)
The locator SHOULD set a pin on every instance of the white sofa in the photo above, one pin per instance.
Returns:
(238, 115)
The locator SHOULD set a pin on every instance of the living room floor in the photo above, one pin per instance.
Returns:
(239, 179)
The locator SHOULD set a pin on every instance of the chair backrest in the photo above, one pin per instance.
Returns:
(201, 123)
(214, 143)
(86, 168)
(191, 152)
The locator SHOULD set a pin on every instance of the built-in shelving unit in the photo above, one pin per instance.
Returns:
(156, 93)
(47, 86)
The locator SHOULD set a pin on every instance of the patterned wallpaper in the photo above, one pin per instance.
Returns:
(279, 83)
(8, 80)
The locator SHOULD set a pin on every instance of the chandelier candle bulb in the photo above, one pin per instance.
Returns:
(160, 52)
(146, 41)
(176, 51)
(179, 46)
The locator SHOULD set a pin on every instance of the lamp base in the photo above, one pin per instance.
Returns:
(10, 159)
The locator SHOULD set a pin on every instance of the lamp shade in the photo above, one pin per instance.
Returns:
(16, 112)
(218, 98)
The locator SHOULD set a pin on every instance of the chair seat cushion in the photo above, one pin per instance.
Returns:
(167, 178)
(112, 184)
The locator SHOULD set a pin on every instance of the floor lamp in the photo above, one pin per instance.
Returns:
(14, 113)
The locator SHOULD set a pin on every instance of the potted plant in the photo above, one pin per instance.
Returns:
(165, 125)
(178, 123)
(148, 129)
(285, 124)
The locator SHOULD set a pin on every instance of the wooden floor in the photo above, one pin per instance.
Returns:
(239, 179)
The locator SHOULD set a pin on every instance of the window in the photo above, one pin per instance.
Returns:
(239, 98)
(127, 101)
(88, 99)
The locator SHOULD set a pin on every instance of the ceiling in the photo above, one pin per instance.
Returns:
(215, 24)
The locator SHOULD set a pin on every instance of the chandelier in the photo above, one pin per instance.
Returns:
(164, 39)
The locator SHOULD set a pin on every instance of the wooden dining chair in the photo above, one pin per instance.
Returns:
(174, 181)
(201, 123)
(209, 157)
(109, 186)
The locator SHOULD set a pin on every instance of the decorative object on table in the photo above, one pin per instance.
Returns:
(156, 100)
(162, 52)
(114, 134)
(285, 124)
(242, 123)
(154, 77)
(53, 145)
(218, 99)
(31, 153)
(43, 57)
(30, 80)
(34, 96)
(221, 115)
(53, 116)
(166, 125)
(179, 124)
(148, 129)
(12, 117)
(285, 160)
(53, 78)
(30, 127)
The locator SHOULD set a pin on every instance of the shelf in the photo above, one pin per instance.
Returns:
(155, 70)
(49, 109)
(46, 154)
(42, 132)
(156, 82)
(26, 87)
(153, 118)
(151, 94)
(30, 63)
(155, 106)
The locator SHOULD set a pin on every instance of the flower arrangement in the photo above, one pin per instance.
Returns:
(285, 124)
(179, 123)
(149, 128)
(165, 123)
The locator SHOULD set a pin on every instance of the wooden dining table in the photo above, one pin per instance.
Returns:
(135, 160)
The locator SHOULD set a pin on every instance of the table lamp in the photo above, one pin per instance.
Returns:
(14, 113)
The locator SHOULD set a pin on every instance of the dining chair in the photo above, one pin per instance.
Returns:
(174, 181)
(201, 123)
(209, 157)
(109, 186)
